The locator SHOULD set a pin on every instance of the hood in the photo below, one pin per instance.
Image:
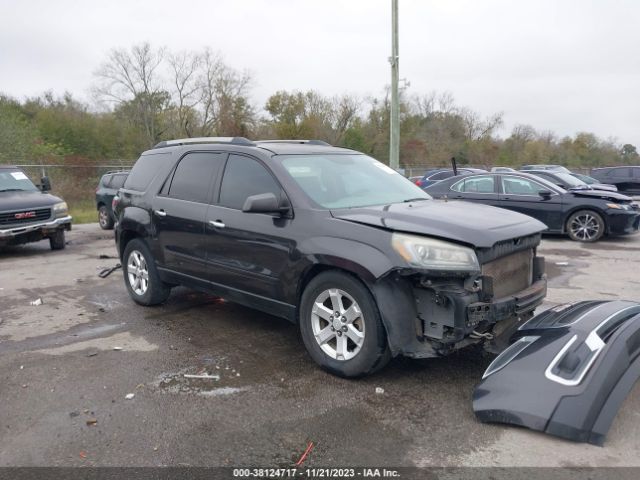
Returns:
(10, 201)
(604, 186)
(478, 225)
(605, 195)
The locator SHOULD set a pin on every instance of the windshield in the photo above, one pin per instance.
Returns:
(14, 180)
(347, 181)
(569, 180)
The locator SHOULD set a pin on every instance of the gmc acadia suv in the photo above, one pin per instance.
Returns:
(367, 264)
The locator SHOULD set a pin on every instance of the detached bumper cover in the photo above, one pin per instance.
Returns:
(63, 222)
(566, 372)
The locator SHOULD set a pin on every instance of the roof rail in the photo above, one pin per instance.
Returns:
(300, 142)
(197, 140)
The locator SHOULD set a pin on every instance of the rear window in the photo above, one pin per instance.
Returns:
(144, 171)
(117, 181)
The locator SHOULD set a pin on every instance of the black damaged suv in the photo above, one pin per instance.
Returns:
(29, 213)
(363, 260)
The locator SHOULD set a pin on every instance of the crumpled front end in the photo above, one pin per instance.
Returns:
(428, 314)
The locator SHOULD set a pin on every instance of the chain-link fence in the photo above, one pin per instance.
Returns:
(75, 183)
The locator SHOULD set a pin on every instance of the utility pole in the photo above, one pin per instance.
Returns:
(394, 143)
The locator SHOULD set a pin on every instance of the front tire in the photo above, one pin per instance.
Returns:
(57, 240)
(341, 326)
(105, 220)
(585, 226)
(141, 275)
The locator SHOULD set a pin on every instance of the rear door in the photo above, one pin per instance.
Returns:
(247, 253)
(180, 210)
(477, 189)
(522, 195)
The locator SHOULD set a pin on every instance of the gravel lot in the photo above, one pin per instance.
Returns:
(64, 383)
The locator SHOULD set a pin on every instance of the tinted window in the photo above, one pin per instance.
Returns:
(619, 173)
(117, 181)
(636, 172)
(483, 184)
(244, 177)
(520, 186)
(144, 171)
(193, 176)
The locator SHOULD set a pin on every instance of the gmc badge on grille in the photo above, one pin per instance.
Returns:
(21, 215)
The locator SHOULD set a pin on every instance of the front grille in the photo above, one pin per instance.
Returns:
(511, 273)
(24, 217)
(506, 247)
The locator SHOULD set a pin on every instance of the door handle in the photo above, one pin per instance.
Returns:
(216, 223)
(160, 213)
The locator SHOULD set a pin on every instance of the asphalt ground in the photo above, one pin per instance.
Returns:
(67, 365)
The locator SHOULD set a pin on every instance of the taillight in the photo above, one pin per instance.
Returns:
(114, 203)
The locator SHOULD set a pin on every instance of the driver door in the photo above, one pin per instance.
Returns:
(247, 253)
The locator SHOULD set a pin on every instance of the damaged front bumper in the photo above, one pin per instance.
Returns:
(566, 372)
(427, 318)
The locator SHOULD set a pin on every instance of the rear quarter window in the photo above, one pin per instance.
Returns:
(144, 171)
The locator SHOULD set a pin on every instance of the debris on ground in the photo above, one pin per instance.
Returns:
(379, 390)
(104, 257)
(203, 376)
(305, 454)
(37, 302)
(74, 414)
(562, 264)
(83, 454)
(92, 354)
(129, 396)
(24, 385)
(117, 348)
(92, 422)
(105, 272)
(21, 367)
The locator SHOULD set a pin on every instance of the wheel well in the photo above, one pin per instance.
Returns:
(101, 204)
(125, 237)
(316, 270)
(577, 209)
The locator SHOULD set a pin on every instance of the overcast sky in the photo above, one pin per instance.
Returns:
(560, 65)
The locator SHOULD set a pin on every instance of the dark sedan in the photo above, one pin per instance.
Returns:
(584, 215)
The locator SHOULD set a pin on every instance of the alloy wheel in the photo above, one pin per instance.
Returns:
(338, 324)
(585, 227)
(138, 273)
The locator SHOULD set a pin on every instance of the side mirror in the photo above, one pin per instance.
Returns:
(45, 184)
(546, 194)
(265, 203)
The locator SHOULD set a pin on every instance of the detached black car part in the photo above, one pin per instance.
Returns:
(567, 371)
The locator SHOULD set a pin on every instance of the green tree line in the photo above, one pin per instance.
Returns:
(143, 95)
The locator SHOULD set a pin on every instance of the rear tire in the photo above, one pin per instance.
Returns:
(351, 344)
(105, 220)
(585, 226)
(141, 275)
(57, 240)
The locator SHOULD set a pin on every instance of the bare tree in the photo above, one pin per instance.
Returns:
(131, 80)
(184, 68)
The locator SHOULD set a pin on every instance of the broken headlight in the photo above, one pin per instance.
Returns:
(60, 210)
(424, 252)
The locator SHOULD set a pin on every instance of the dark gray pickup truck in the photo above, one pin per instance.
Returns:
(28, 213)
